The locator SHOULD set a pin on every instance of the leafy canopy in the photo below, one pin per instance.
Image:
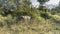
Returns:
(42, 1)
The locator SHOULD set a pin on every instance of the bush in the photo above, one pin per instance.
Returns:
(7, 20)
(45, 15)
(56, 18)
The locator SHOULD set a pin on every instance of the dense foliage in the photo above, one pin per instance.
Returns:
(13, 14)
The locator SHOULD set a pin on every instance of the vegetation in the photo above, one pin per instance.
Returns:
(42, 20)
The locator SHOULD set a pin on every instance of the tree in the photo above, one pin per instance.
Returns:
(56, 9)
(0, 3)
(42, 2)
(23, 5)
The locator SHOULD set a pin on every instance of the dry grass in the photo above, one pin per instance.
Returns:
(32, 28)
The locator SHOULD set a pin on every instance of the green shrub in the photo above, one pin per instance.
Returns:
(45, 15)
(7, 20)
